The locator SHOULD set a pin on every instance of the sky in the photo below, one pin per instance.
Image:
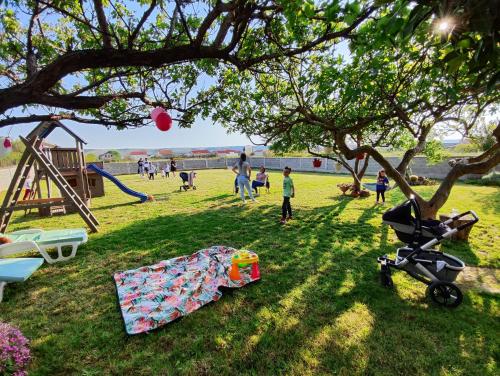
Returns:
(202, 134)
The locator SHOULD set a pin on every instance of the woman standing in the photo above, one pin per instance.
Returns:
(173, 167)
(243, 170)
(140, 167)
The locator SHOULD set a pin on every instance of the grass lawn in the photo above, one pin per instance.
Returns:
(319, 308)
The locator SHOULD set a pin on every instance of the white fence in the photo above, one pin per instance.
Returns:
(418, 166)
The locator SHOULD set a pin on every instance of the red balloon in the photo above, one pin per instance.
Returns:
(7, 143)
(164, 122)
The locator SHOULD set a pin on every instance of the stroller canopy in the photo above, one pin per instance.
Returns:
(400, 214)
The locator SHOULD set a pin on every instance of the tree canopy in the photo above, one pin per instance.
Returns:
(108, 61)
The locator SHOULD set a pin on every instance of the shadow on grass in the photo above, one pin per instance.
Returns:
(319, 307)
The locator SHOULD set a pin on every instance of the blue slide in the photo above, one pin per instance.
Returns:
(143, 197)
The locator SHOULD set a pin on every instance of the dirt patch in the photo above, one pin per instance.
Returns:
(482, 279)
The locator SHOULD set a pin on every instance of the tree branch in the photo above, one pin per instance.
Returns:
(143, 19)
(103, 24)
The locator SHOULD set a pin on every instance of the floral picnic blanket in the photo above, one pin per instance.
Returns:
(152, 296)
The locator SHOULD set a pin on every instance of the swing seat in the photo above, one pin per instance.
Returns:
(39, 202)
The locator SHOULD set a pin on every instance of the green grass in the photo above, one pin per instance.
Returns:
(319, 308)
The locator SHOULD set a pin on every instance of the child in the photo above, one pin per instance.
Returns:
(27, 188)
(382, 183)
(260, 180)
(166, 170)
(152, 171)
(288, 192)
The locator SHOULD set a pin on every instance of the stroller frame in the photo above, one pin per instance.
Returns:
(436, 269)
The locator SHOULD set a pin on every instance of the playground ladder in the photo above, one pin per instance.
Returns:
(15, 189)
(66, 190)
(31, 154)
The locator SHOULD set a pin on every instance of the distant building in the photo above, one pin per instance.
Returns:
(201, 153)
(165, 153)
(138, 154)
(259, 152)
(228, 153)
(105, 157)
(48, 145)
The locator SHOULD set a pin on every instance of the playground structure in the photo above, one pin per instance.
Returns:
(242, 259)
(99, 171)
(64, 167)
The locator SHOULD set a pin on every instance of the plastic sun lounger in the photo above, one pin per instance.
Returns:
(43, 240)
(16, 269)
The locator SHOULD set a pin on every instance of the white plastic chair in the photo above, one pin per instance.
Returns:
(43, 247)
(17, 269)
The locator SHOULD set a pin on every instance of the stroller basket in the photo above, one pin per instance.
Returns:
(444, 266)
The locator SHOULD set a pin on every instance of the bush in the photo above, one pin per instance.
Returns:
(14, 351)
(344, 187)
(465, 148)
(492, 179)
(420, 180)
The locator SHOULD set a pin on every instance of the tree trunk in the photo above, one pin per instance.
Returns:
(428, 209)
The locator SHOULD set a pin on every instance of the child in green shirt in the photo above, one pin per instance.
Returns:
(288, 192)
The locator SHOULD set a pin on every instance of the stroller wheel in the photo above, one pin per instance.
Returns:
(385, 276)
(445, 293)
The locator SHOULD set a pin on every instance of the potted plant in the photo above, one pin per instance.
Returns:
(344, 187)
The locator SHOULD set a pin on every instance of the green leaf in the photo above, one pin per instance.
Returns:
(454, 64)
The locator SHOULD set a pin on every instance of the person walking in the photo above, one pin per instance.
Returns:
(166, 170)
(288, 192)
(152, 171)
(173, 167)
(140, 167)
(243, 171)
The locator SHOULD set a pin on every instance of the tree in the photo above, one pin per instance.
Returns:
(108, 62)
(115, 155)
(384, 96)
(91, 157)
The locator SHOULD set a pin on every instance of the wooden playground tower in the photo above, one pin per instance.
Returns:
(64, 167)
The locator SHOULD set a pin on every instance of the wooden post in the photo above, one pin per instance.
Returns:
(81, 173)
(38, 178)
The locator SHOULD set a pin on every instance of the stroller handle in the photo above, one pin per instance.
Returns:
(468, 223)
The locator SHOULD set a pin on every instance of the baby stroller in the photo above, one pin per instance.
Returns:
(436, 269)
(187, 180)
